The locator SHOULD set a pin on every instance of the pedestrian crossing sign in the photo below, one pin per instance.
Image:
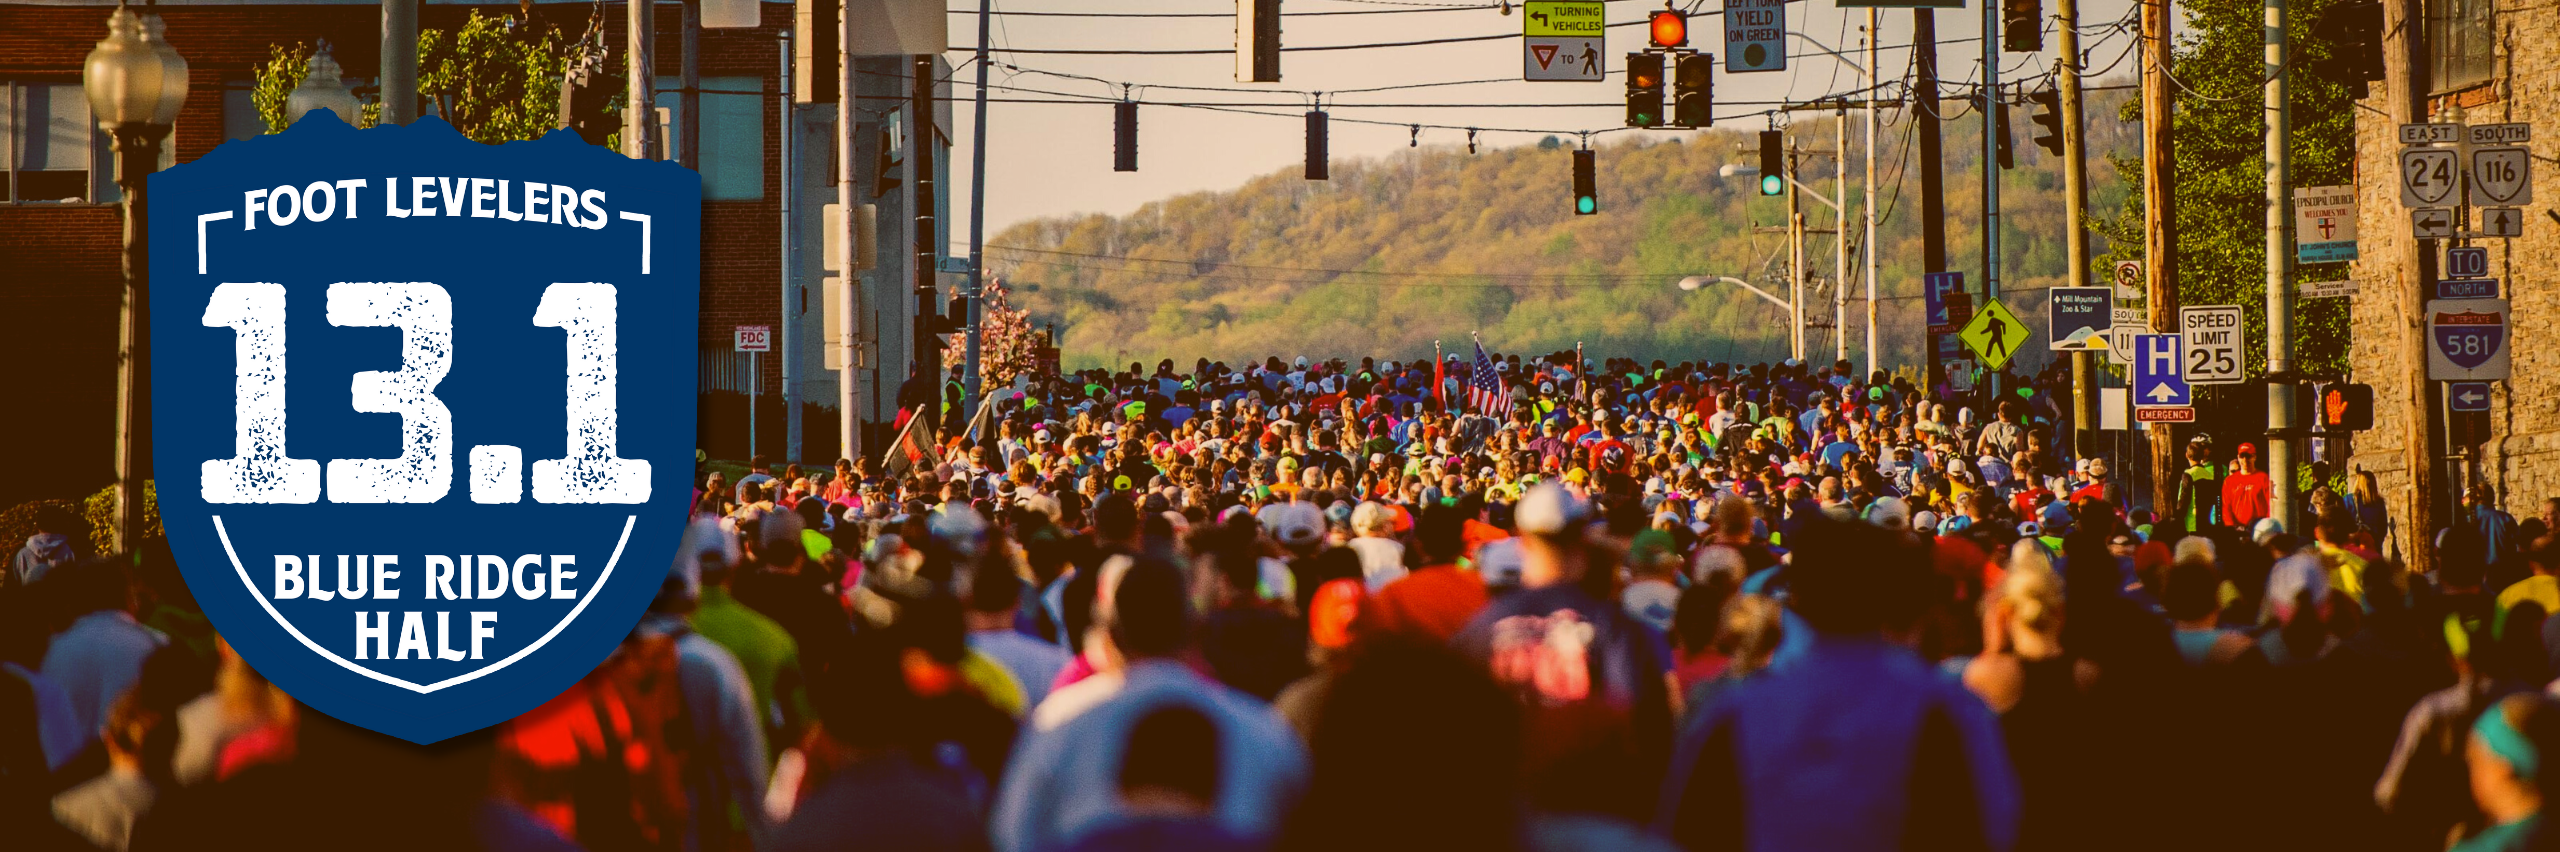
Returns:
(1995, 334)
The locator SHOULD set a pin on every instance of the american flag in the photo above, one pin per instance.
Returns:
(1485, 393)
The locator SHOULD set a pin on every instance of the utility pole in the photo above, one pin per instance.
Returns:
(400, 61)
(792, 309)
(1840, 233)
(1990, 175)
(638, 116)
(848, 247)
(928, 129)
(1933, 181)
(2280, 378)
(2160, 227)
(2075, 189)
(978, 223)
(2405, 100)
(1869, 205)
(689, 101)
(1795, 253)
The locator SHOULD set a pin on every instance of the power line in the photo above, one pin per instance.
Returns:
(1230, 15)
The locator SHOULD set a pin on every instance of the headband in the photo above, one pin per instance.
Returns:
(2502, 739)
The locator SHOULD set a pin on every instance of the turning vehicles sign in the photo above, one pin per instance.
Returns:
(1563, 41)
(423, 488)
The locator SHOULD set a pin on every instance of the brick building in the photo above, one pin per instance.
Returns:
(61, 278)
(2472, 62)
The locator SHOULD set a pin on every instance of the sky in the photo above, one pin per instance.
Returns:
(1046, 160)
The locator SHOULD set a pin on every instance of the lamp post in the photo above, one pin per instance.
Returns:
(324, 86)
(135, 82)
(1795, 318)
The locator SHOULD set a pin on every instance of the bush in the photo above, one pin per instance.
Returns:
(18, 523)
(101, 513)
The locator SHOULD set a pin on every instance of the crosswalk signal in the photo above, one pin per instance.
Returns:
(585, 92)
(1586, 193)
(2022, 25)
(1644, 90)
(1693, 91)
(1773, 167)
(2049, 117)
(2345, 407)
(1669, 29)
(1124, 136)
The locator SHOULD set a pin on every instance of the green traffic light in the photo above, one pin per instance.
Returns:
(1586, 205)
(1772, 185)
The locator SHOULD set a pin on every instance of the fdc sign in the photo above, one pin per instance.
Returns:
(423, 422)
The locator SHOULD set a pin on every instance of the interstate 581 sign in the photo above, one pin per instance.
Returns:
(423, 409)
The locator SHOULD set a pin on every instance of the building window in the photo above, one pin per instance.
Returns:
(732, 152)
(49, 145)
(2461, 44)
(240, 110)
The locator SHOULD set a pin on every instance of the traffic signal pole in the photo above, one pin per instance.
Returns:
(1795, 255)
(2280, 382)
(977, 223)
(1840, 234)
(928, 131)
(1990, 174)
(2420, 426)
(1869, 205)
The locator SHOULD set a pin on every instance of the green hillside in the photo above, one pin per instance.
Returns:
(1436, 243)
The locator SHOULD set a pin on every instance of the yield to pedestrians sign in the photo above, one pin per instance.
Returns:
(2158, 376)
(1995, 334)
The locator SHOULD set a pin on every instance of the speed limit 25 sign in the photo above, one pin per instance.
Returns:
(423, 412)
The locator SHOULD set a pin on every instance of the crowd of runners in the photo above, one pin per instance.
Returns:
(1472, 603)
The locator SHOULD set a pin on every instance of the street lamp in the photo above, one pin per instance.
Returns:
(324, 86)
(1795, 317)
(135, 82)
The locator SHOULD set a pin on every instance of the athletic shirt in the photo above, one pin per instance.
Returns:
(2196, 646)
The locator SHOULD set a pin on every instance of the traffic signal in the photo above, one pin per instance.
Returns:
(2007, 158)
(584, 93)
(1317, 151)
(2353, 31)
(1670, 29)
(2048, 116)
(1693, 91)
(2022, 25)
(1644, 90)
(814, 52)
(1773, 163)
(1124, 136)
(2345, 407)
(1586, 193)
(1257, 41)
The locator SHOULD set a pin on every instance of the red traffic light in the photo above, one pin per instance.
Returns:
(1670, 28)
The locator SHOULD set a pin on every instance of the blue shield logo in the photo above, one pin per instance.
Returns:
(423, 409)
(2469, 338)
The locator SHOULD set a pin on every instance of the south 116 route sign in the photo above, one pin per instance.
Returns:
(1564, 41)
(422, 428)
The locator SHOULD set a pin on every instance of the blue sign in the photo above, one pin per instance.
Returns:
(1936, 286)
(2466, 262)
(423, 409)
(2467, 288)
(2467, 396)
(2159, 378)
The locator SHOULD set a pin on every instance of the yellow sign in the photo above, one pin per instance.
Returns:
(1574, 18)
(1995, 334)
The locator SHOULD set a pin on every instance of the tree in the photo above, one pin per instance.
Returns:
(496, 79)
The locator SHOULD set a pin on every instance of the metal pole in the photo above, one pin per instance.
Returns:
(926, 134)
(792, 310)
(2280, 425)
(755, 382)
(1840, 234)
(639, 114)
(137, 154)
(977, 222)
(2423, 418)
(399, 61)
(1990, 173)
(1795, 258)
(849, 282)
(1870, 203)
(689, 101)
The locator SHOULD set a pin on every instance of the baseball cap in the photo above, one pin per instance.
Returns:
(2265, 531)
(2029, 529)
(2250, 450)
(1550, 510)
(1297, 524)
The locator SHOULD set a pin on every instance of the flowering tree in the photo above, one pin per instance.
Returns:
(1009, 335)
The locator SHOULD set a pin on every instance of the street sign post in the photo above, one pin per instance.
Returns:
(2212, 344)
(2428, 177)
(2158, 375)
(2501, 176)
(2467, 396)
(2324, 223)
(754, 338)
(1563, 41)
(1994, 334)
(1755, 35)
(2467, 339)
(2079, 317)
